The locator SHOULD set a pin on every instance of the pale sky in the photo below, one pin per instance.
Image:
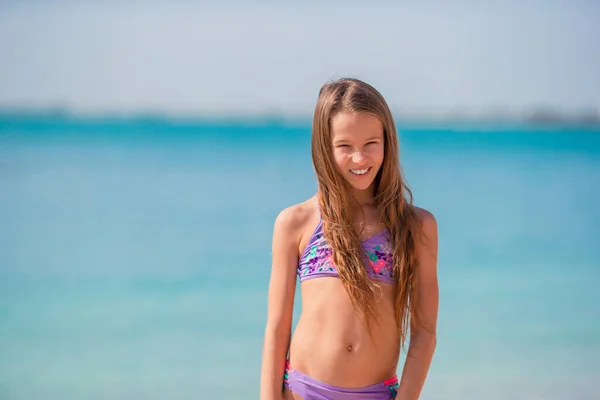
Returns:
(267, 56)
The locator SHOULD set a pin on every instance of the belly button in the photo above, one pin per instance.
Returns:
(349, 348)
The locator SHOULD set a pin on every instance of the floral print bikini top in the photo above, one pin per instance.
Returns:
(317, 260)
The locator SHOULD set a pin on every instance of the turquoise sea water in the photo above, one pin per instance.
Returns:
(135, 255)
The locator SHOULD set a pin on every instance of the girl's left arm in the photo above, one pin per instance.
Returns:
(422, 337)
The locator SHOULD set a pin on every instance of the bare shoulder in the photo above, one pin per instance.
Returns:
(427, 242)
(293, 220)
(428, 221)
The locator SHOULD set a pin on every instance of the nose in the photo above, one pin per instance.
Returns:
(358, 157)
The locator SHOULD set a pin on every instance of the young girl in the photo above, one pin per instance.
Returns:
(366, 259)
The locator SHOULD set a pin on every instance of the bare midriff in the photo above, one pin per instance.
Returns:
(331, 342)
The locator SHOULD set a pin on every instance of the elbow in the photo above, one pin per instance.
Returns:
(277, 330)
(425, 339)
(276, 338)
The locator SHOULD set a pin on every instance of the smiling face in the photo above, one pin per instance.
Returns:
(357, 141)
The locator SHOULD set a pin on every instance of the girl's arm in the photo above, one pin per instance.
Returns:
(422, 338)
(282, 288)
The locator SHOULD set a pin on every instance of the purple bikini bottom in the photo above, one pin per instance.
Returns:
(312, 389)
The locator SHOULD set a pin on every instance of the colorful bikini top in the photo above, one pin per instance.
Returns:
(317, 259)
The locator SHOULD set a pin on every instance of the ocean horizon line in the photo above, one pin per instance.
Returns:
(534, 117)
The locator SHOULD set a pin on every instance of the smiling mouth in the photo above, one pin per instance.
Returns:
(359, 172)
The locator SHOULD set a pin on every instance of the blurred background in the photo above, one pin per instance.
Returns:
(146, 148)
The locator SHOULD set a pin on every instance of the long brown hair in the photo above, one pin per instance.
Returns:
(392, 197)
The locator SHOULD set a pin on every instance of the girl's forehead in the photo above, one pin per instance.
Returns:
(347, 125)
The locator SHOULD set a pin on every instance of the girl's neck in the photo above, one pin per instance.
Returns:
(363, 198)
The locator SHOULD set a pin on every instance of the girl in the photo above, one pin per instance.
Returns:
(366, 259)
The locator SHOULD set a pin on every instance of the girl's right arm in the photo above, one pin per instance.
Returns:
(282, 287)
